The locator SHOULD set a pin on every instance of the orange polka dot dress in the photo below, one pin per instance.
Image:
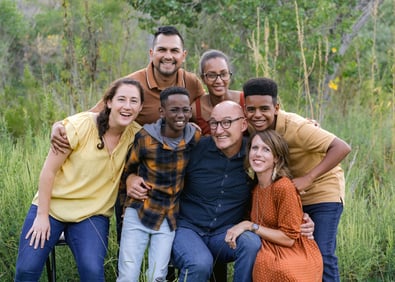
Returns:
(279, 207)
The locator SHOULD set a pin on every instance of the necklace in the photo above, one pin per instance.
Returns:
(257, 204)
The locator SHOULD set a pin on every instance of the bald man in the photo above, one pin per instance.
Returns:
(216, 196)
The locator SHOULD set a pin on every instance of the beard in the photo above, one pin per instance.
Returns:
(165, 71)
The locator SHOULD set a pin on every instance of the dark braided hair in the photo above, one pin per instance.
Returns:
(103, 117)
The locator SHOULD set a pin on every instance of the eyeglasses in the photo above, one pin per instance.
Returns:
(225, 123)
(176, 111)
(212, 76)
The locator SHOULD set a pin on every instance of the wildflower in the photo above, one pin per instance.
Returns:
(333, 85)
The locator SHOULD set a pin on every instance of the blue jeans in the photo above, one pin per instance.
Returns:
(326, 217)
(87, 240)
(134, 240)
(194, 254)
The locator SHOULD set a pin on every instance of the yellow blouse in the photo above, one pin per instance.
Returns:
(87, 183)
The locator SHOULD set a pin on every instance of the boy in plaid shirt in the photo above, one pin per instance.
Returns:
(159, 155)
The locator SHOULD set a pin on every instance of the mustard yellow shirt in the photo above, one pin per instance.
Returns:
(87, 183)
(307, 147)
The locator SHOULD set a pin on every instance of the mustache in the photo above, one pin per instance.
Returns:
(168, 61)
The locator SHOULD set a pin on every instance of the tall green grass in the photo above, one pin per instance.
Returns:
(366, 248)
(366, 233)
(362, 112)
(19, 170)
(20, 165)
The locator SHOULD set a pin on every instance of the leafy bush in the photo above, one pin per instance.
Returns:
(51, 67)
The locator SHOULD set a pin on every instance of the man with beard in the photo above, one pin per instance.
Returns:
(164, 70)
(167, 55)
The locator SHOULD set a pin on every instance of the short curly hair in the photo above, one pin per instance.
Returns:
(261, 86)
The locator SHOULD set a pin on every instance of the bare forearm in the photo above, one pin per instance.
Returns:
(337, 151)
(44, 193)
(275, 236)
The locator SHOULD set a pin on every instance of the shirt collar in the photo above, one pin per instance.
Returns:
(240, 154)
(152, 82)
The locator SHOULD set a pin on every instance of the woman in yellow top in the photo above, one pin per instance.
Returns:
(78, 188)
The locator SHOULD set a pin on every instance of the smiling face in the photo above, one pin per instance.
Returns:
(216, 66)
(261, 157)
(167, 54)
(125, 106)
(228, 140)
(176, 112)
(260, 111)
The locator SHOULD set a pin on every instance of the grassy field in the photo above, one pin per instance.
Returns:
(359, 108)
(366, 237)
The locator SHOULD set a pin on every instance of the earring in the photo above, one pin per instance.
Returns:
(274, 175)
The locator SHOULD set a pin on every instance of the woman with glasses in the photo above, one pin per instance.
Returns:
(216, 74)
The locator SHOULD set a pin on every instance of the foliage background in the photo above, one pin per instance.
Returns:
(333, 60)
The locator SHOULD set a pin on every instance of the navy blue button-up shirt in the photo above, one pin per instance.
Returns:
(216, 191)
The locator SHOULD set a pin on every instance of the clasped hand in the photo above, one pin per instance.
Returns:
(136, 187)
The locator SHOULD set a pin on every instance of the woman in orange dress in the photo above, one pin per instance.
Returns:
(276, 216)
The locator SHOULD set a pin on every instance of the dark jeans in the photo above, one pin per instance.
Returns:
(326, 217)
(87, 240)
(194, 254)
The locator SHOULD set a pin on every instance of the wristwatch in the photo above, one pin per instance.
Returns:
(255, 227)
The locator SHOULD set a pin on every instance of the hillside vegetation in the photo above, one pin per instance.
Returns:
(333, 61)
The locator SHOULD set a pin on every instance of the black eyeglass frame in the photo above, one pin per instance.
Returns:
(212, 79)
(225, 123)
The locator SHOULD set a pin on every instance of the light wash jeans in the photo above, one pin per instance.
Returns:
(326, 217)
(134, 240)
(87, 240)
(194, 254)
